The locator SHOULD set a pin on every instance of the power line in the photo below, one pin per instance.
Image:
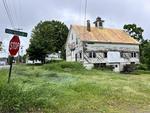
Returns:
(13, 11)
(19, 12)
(80, 11)
(8, 13)
(86, 2)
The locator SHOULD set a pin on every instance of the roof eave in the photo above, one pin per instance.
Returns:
(112, 42)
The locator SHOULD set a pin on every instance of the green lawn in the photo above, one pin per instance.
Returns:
(69, 88)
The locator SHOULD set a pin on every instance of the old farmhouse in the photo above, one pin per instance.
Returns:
(98, 46)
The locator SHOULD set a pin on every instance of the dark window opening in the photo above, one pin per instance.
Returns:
(100, 65)
(92, 55)
(121, 54)
(80, 55)
(133, 55)
(132, 62)
(105, 54)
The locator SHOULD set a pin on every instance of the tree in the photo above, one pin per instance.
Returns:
(134, 31)
(137, 33)
(146, 53)
(0, 46)
(47, 37)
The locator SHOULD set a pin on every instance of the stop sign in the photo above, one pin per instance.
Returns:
(14, 45)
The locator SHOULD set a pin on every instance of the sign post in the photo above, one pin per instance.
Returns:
(11, 60)
(14, 46)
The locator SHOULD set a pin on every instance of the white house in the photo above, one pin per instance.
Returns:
(54, 56)
(99, 46)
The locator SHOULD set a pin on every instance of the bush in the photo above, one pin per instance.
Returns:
(129, 68)
(142, 67)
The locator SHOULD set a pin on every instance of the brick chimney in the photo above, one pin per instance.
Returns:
(99, 23)
(88, 25)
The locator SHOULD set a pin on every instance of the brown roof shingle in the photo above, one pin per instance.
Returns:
(104, 35)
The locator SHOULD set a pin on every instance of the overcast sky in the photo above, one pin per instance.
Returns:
(27, 13)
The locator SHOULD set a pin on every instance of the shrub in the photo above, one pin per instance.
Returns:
(129, 68)
(142, 67)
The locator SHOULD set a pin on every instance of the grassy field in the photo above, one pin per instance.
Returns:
(69, 88)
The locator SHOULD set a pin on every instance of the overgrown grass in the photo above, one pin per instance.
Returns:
(65, 67)
(69, 88)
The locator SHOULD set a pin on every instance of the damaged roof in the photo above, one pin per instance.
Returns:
(104, 35)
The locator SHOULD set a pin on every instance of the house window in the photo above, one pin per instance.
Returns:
(80, 55)
(100, 65)
(132, 62)
(133, 54)
(92, 54)
(105, 54)
(121, 54)
(103, 64)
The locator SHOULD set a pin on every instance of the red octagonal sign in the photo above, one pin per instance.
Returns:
(14, 45)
